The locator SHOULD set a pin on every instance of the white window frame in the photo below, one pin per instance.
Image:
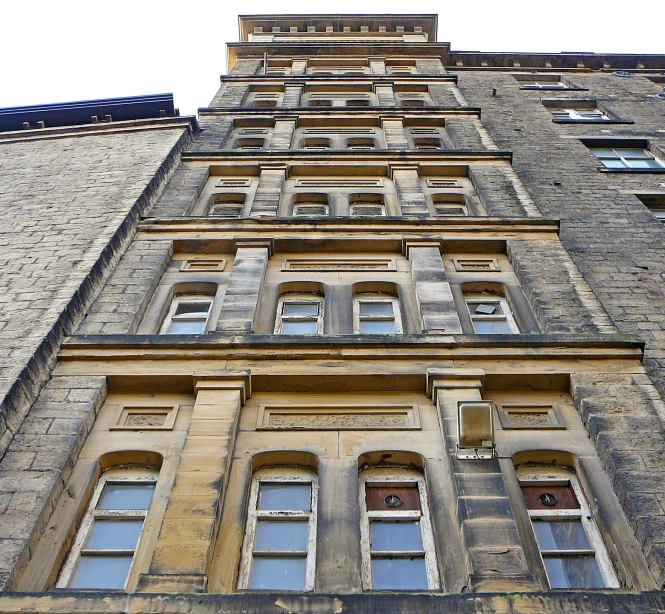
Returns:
(545, 85)
(133, 475)
(501, 301)
(593, 114)
(197, 317)
(626, 161)
(397, 477)
(547, 476)
(299, 209)
(302, 299)
(376, 298)
(284, 475)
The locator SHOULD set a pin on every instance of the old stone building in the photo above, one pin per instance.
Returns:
(382, 331)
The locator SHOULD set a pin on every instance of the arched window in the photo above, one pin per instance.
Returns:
(279, 550)
(109, 535)
(299, 314)
(367, 205)
(376, 314)
(569, 541)
(397, 543)
(490, 314)
(188, 315)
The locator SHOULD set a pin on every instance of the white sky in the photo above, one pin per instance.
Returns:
(56, 51)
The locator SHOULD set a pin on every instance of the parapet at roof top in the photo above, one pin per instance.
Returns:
(338, 25)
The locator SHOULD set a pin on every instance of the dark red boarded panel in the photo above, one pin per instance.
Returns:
(376, 497)
(565, 497)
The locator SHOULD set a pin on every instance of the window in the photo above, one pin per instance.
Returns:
(248, 143)
(299, 315)
(412, 102)
(357, 102)
(311, 205)
(490, 314)
(360, 143)
(320, 102)
(544, 85)
(316, 143)
(105, 545)
(376, 315)
(279, 550)
(265, 103)
(228, 205)
(427, 144)
(591, 115)
(397, 544)
(655, 203)
(188, 315)
(450, 205)
(367, 205)
(570, 544)
(630, 157)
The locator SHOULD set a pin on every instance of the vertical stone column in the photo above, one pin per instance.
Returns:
(409, 193)
(242, 294)
(393, 128)
(266, 199)
(282, 134)
(385, 94)
(298, 67)
(377, 66)
(292, 94)
(438, 313)
(495, 557)
(186, 540)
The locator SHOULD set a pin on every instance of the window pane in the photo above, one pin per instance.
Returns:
(387, 536)
(613, 163)
(114, 535)
(278, 574)
(281, 536)
(603, 153)
(561, 535)
(284, 497)
(301, 309)
(376, 309)
(491, 327)
(187, 327)
(298, 327)
(486, 308)
(126, 496)
(399, 574)
(192, 308)
(644, 164)
(101, 572)
(574, 572)
(381, 327)
(634, 153)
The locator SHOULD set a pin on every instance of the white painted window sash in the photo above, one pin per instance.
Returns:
(549, 477)
(506, 316)
(114, 476)
(396, 477)
(302, 300)
(364, 298)
(189, 317)
(284, 476)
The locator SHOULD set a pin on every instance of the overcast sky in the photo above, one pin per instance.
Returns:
(56, 51)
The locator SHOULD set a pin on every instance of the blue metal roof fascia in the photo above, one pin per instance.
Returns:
(81, 111)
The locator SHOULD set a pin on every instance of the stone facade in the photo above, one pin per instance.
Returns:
(363, 244)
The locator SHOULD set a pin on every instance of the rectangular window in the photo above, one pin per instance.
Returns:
(490, 315)
(299, 315)
(397, 544)
(629, 157)
(279, 551)
(570, 544)
(105, 545)
(374, 315)
(590, 114)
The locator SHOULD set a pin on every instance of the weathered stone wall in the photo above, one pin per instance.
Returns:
(38, 463)
(68, 208)
(612, 237)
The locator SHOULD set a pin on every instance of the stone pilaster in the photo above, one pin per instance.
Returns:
(292, 94)
(377, 66)
(266, 200)
(282, 134)
(411, 198)
(385, 95)
(495, 557)
(435, 300)
(242, 294)
(393, 128)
